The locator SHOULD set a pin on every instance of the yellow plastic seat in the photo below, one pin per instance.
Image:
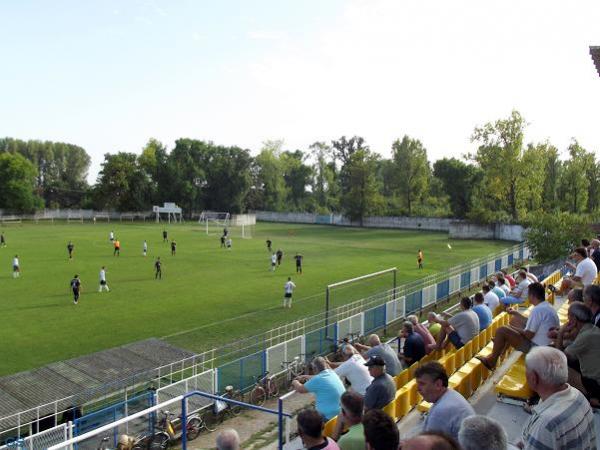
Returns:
(330, 426)
(414, 395)
(468, 350)
(402, 378)
(424, 406)
(459, 358)
(403, 405)
(390, 409)
(514, 382)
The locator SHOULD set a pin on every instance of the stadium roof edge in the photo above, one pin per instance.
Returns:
(595, 53)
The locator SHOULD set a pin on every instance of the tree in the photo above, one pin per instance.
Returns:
(18, 177)
(61, 169)
(297, 177)
(269, 181)
(412, 170)
(186, 175)
(458, 180)
(122, 184)
(228, 178)
(574, 184)
(344, 148)
(554, 235)
(325, 187)
(553, 171)
(500, 156)
(361, 197)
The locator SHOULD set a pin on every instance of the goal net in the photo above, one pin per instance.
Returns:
(214, 222)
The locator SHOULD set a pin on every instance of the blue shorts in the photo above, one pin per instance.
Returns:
(455, 339)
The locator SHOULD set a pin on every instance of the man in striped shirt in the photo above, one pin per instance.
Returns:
(563, 418)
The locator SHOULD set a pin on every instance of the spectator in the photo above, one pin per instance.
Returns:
(228, 440)
(509, 278)
(521, 291)
(381, 432)
(585, 270)
(525, 332)
(461, 328)
(422, 331)
(595, 254)
(530, 275)
(563, 419)
(503, 284)
(383, 388)
(325, 385)
(567, 332)
(431, 441)
(575, 295)
(351, 419)
(496, 290)
(434, 327)
(490, 299)
(353, 369)
(477, 429)
(414, 347)
(376, 348)
(482, 311)
(591, 297)
(449, 408)
(310, 430)
(582, 354)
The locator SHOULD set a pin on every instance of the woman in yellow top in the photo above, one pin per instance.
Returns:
(420, 259)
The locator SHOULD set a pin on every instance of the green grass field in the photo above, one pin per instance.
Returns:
(217, 295)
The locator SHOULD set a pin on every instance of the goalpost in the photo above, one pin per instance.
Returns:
(214, 221)
(356, 294)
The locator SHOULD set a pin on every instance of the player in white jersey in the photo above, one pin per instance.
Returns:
(16, 267)
(111, 236)
(288, 289)
(103, 284)
(145, 248)
(273, 262)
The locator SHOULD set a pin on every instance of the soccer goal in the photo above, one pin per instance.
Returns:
(214, 221)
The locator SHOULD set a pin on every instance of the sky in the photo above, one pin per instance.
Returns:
(109, 75)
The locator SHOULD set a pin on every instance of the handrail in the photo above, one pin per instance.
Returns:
(278, 412)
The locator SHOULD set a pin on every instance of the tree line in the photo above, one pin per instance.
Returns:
(504, 180)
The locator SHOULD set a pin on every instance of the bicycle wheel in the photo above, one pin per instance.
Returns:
(236, 409)
(209, 421)
(160, 441)
(193, 428)
(258, 396)
(273, 387)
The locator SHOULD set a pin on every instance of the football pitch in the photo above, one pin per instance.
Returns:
(207, 296)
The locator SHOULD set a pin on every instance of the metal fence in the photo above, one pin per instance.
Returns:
(239, 363)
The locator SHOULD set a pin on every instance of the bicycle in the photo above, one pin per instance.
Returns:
(296, 366)
(265, 387)
(223, 409)
(170, 429)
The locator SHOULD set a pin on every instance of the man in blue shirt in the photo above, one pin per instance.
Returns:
(414, 347)
(325, 385)
(483, 312)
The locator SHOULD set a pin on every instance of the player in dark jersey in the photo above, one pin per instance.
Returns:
(225, 232)
(298, 259)
(269, 243)
(165, 236)
(279, 254)
(70, 248)
(223, 241)
(76, 288)
(2, 240)
(158, 269)
(173, 247)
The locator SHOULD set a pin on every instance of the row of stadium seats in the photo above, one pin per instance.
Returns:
(514, 383)
(466, 373)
